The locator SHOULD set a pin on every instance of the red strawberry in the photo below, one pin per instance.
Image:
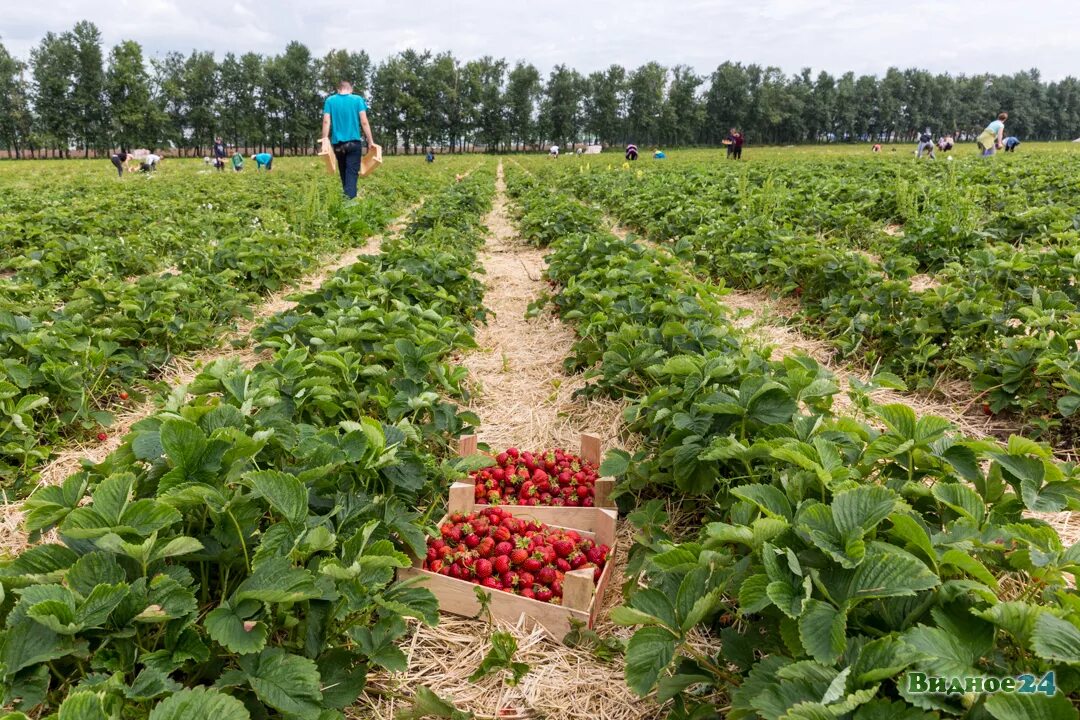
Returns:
(504, 548)
(512, 452)
(485, 548)
(556, 588)
(518, 556)
(501, 458)
(483, 568)
(546, 575)
(123, 395)
(102, 437)
(526, 579)
(532, 564)
(491, 582)
(577, 560)
(587, 502)
(596, 556)
(472, 540)
(563, 565)
(544, 594)
(563, 547)
(582, 491)
(501, 564)
(528, 593)
(986, 409)
(501, 533)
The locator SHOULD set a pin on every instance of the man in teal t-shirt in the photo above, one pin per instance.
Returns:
(263, 160)
(344, 115)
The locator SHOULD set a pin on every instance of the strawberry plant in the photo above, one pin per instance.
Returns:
(830, 555)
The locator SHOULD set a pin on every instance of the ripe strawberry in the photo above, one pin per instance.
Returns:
(102, 437)
(528, 593)
(563, 565)
(556, 588)
(532, 564)
(435, 566)
(455, 571)
(491, 582)
(587, 502)
(504, 548)
(501, 533)
(544, 594)
(986, 409)
(123, 395)
(498, 474)
(518, 556)
(512, 452)
(501, 564)
(582, 491)
(526, 579)
(596, 556)
(546, 575)
(472, 540)
(483, 568)
(577, 560)
(485, 548)
(563, 547)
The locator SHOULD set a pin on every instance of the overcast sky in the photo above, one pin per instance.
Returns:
(834, 35)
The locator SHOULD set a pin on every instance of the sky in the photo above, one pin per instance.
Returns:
(865, 36)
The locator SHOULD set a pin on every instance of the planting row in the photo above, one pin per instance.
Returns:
(235, 557)
(831, 556)
(1001, 311)
(76, 336)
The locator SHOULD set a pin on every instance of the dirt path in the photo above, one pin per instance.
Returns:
(523, 398)
(237, 345)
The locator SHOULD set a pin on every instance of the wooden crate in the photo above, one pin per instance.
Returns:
(581, 596)
(590, 451)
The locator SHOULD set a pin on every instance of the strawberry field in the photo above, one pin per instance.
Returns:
(787, 548)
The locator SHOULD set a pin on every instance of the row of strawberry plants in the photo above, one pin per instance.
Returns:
(1005, 318)
(235, 557)
(64, 366)
(831, 556)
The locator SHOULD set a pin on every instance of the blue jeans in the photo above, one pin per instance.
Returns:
(348, 161)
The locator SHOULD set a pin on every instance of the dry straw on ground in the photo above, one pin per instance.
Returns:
(523, 398)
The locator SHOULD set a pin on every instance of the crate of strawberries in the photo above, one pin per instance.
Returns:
(551, 477)
(549, 563)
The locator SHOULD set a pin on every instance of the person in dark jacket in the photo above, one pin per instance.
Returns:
(119, 161)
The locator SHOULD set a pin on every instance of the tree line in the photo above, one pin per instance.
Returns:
(72, 98)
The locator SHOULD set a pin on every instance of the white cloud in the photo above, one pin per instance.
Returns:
(965, 36)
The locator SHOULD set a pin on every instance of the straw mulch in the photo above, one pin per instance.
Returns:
(520, 390)
(523, 398)
(563, 682)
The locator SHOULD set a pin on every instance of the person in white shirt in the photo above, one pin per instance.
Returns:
(555, 152)
(150, 162)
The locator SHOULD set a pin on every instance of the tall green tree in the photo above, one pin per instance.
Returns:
(127, 86)
(88, 92)
(53, 64)
(523, 91)
(15, 118)
(560, 118)
(605, 105)
(340, 65)
(646, 102)
(684, 113)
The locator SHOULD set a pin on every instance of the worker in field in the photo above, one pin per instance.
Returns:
(734, 150)
(237, 161)
(150, 162)
(631, 152)
(263, 160)
(219, 154)
(658, 154)
(119, 160)
(430, 157)
(945, 143)
(344, 120)
(990, 139)
(554, 153)
(926, 145)
(1010, 143)
(876, 148)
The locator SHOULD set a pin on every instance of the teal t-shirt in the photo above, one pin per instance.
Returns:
(263, 158)
(344, 112)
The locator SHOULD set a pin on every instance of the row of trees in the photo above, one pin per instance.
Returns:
(70, 96)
